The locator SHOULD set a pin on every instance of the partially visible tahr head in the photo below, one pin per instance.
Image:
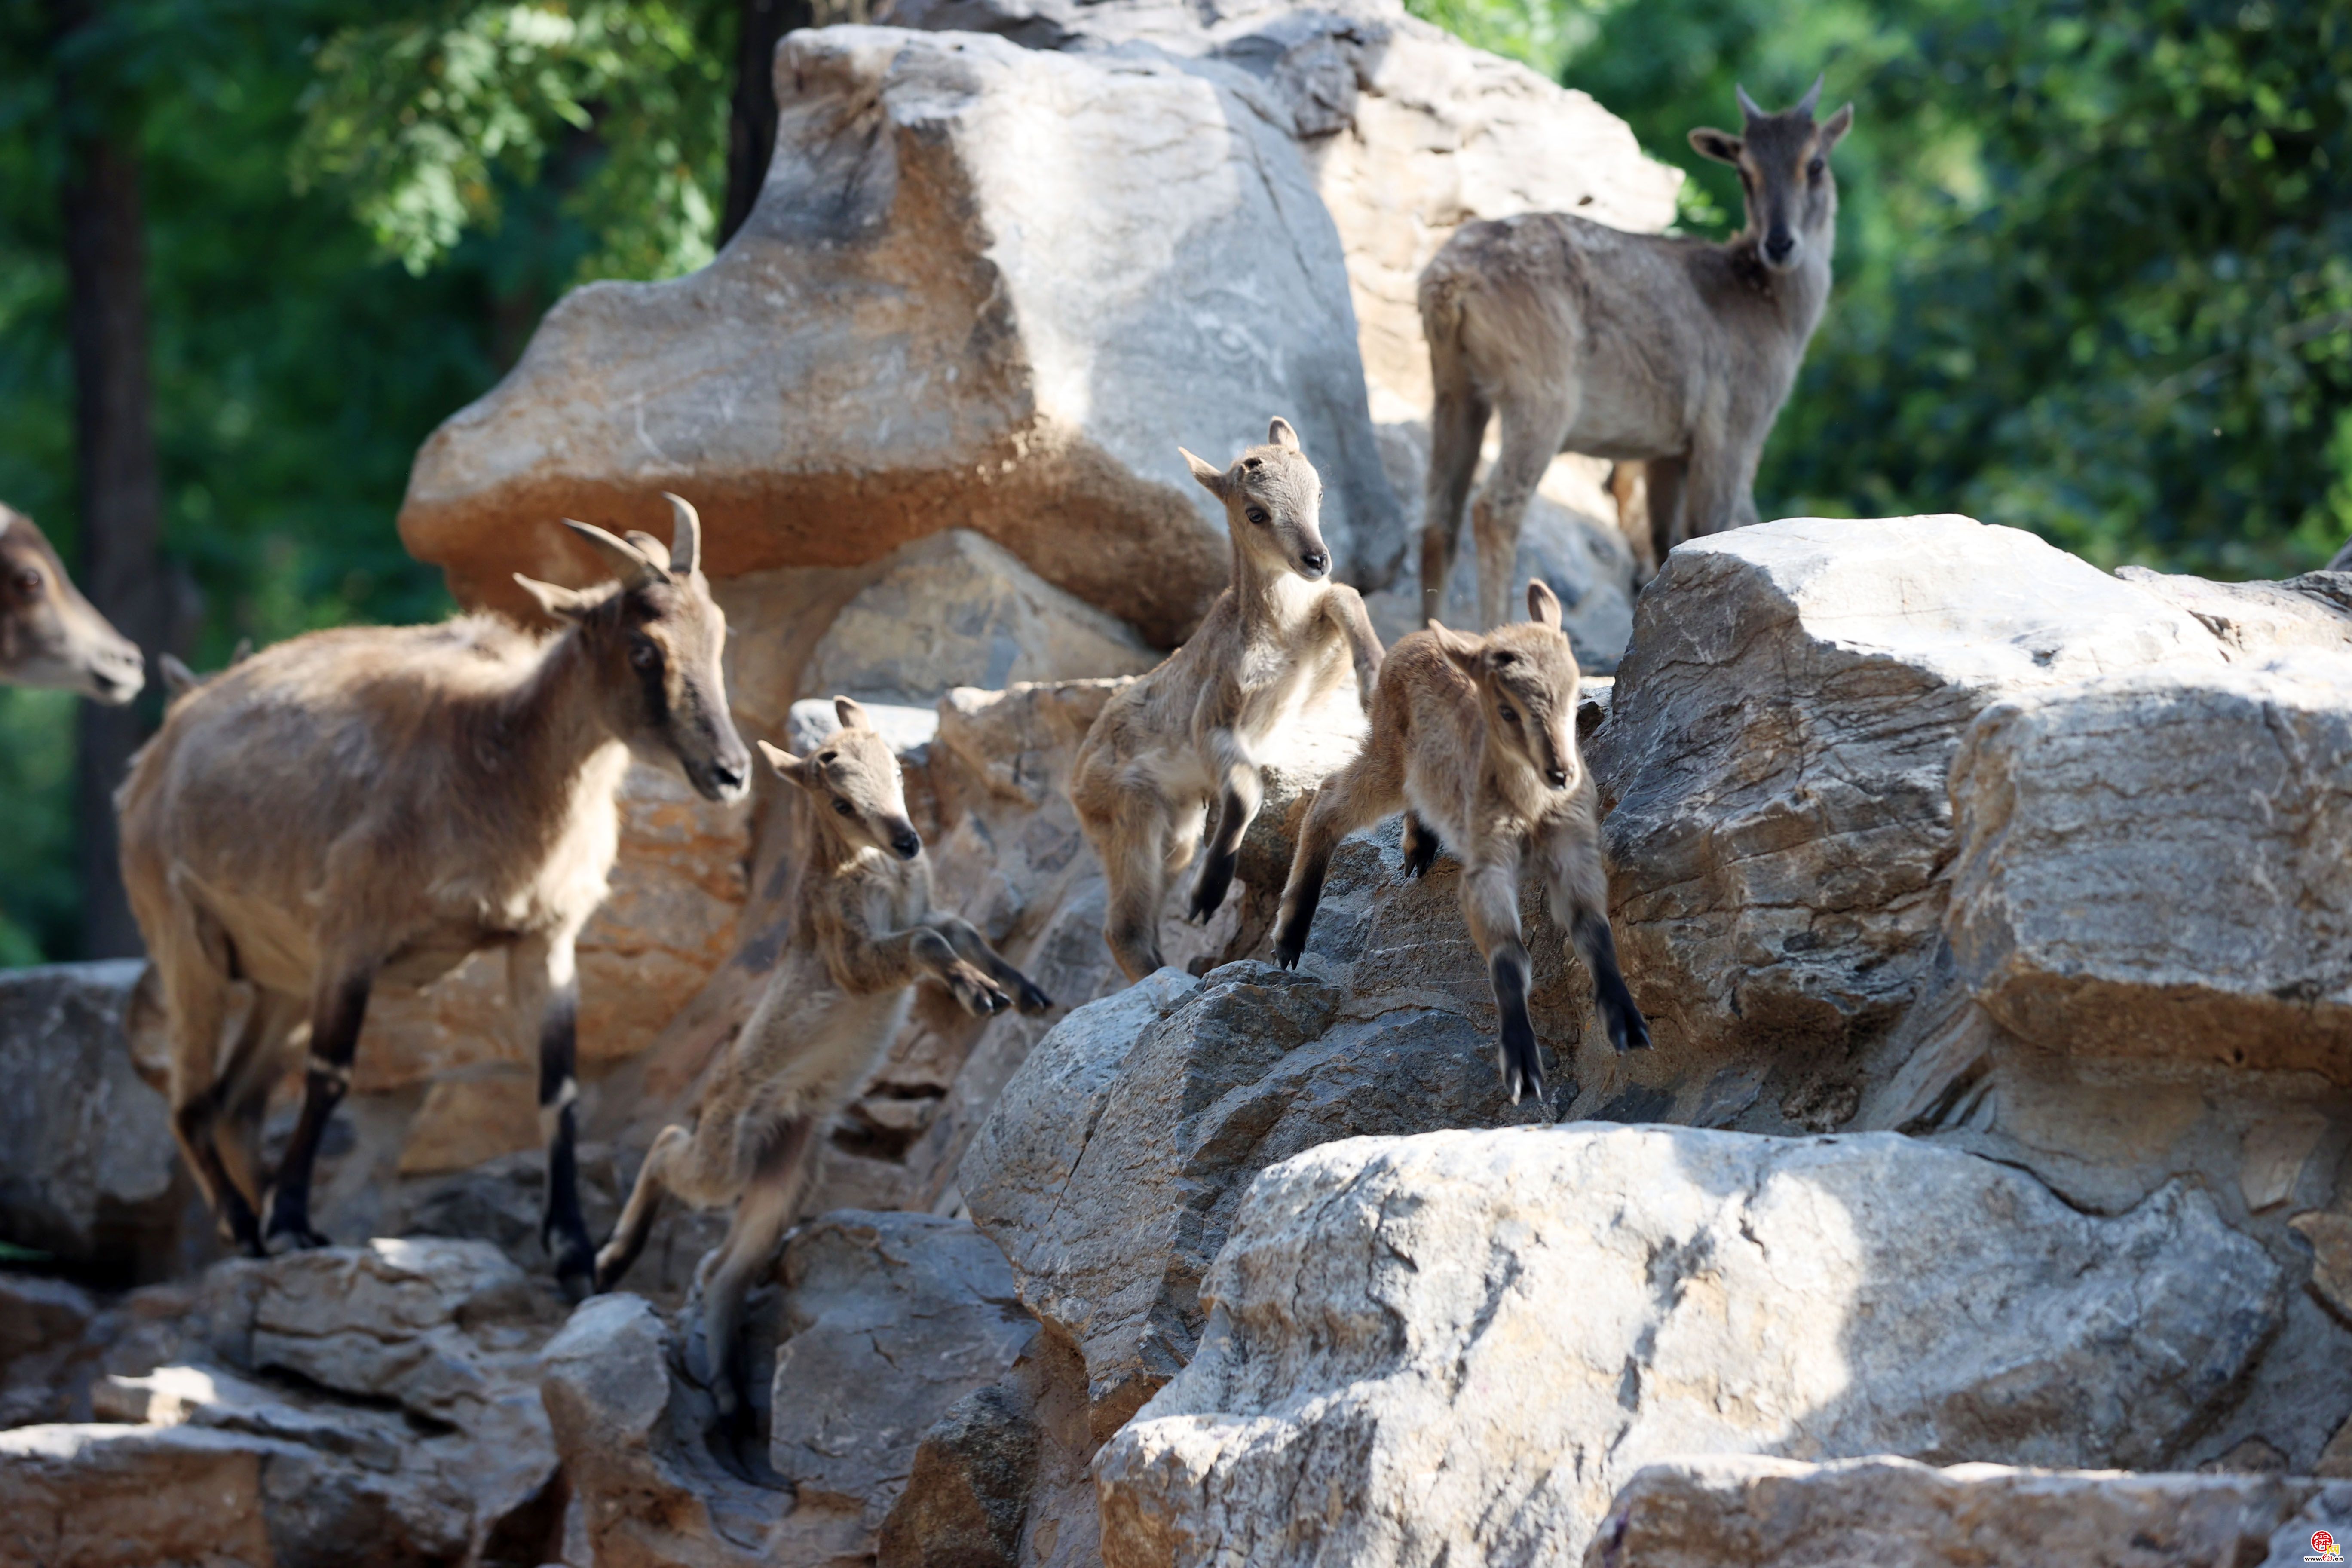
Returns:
(1274, 504)
(855, 783)
(657, 635)
(49, 634)
(1784, 174)
(1527, 683)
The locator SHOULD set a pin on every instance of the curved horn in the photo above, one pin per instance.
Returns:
(686, 537)
(628, 562)
(1747, 104)
(1813, 95)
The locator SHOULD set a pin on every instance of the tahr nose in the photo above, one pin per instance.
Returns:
(725, 775)
(1777, 247)
(907, 844)
(1315, 562)
(1558, 777)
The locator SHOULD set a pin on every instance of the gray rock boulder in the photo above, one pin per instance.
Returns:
(914, 331)
(967, 1495)
(87, 1158)
(1779, 744)
(1460, 1346)
(1118, 1156)
(1742, 1512)
(2160, 864)
(955, 610)
(889, 1321)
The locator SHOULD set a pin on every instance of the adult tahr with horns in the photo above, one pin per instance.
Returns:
(1673, 352)
(377, 802)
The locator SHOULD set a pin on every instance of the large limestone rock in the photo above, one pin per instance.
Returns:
(86, 1157)
(1459, 1347)
(914, 330)
(2160, 864)
(1740, 1511)
(1778, 746)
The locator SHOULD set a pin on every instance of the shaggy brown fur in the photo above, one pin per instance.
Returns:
(380, 802)
(837, 997)
(1475, 737)
(1277, 643)
(1673, 352)
(49, 634)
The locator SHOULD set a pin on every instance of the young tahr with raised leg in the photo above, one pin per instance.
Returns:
(1276, 644)
(377, 802)
(1475, 739)
(865, 934)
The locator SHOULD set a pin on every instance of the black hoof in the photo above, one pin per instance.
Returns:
(292, 1236)
(1033, 1000)
(1209, 892)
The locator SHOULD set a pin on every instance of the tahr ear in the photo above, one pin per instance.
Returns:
(1466, 654)
(1835, 127)
(1279, 433)
(562, 603)
(1213, 479)
(178, 678)
(1543, 605)
(788, 767)
(851, 715)
(1719, 145)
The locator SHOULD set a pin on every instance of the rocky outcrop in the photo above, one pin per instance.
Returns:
(87, 1158)
(2125, 845)
(1777, 752)
(914, 331)
(1465, 1343)
(374, 1405)
(1728, 1511)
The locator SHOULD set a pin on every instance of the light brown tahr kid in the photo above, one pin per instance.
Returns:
(378, 803)
(1475, 737)
(865, 935)
(1675, 354)
(1277, 643)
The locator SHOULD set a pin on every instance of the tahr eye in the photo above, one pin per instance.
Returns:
(1813, 170)
(645, 656)
(1256, 514)
(28, 581)
(845, 808)
(1510, 715)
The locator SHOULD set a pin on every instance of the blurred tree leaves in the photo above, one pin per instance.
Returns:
(425, 119)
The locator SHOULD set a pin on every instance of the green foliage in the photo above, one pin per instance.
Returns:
(2092, 268)
(418, 116)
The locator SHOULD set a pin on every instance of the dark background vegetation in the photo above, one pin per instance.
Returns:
(2094, 279)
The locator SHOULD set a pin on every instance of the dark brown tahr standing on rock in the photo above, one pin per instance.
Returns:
(867, 935)
(1475, 740)
(378, 803)
(1279, 642)
(1673, 352)
(49, 634)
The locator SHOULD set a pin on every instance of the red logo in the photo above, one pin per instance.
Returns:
(2325, 1547)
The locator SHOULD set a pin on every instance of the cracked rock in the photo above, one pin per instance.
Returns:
(1460, 1346)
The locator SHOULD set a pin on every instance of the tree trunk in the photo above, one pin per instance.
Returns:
(751, 128)
(114, 463)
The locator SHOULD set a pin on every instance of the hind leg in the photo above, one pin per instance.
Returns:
(615, 1256)
(1577, 884)
(1421, 846)
(1135, 849)
(761, 1216)
(1532, 433)
(201, 1004)
(1457, 428)
(1490, 905)
(251, 1071)
(1362, 793)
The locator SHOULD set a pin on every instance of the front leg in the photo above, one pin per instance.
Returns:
(1421, 846)
(1345, 606)
(1490, 904)
(1362, 793)
(1242, 791)
(1578, 885)
(973, 949)
(337, 1011)
(542, 974)
(876, 964)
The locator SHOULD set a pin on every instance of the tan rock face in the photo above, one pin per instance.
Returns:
(2160, 864)
(1462, 1345)
(1731, 1512)
(914, 331)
